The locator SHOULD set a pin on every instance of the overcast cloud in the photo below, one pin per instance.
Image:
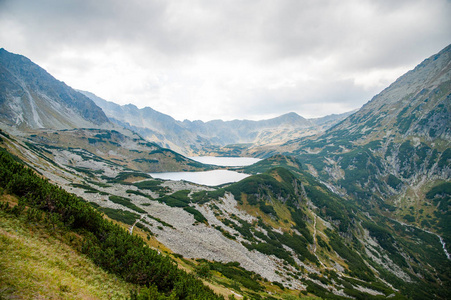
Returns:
(228, 59)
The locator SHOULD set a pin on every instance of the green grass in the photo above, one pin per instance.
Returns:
(36, 264)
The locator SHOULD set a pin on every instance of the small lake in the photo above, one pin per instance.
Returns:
(214, 177)
(226, 161)
(210, 178)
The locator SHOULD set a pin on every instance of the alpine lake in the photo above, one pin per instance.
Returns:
(214, 177)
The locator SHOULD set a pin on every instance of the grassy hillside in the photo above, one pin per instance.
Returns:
(37, 262)
(108, 245)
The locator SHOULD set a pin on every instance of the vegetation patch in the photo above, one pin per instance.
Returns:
(125, 177)
(198, 216)
(177, 199)
(126, 202)
(120, 215)
(206, 196)
(235, 272)
(152, 185)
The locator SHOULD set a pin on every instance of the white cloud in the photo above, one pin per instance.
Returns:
(228, 59)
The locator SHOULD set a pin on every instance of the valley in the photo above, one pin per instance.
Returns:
(354, 206)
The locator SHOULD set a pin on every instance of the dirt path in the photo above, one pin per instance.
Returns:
(133, 226)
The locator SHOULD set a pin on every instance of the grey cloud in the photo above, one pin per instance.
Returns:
(335, 41)
(259, 29)
(309, 99)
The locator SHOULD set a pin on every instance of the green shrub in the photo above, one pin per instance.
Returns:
(120, 215)
(197, 214)
(126, 202)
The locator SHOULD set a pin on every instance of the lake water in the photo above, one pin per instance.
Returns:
(226, 161)
(210, 178)
(214, 177)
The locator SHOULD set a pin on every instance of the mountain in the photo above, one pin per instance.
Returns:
(246, 131)
(152, 125)
(394, 154)
(198, 137)
(277, 233)
(417, 104)
(31, 98)
(68, 124)
(358, 211)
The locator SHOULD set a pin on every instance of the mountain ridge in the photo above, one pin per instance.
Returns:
(415, 88)
(208, 137)
(391, 153)
(32, 98)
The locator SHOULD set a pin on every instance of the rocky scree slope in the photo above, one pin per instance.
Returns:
(283, 225)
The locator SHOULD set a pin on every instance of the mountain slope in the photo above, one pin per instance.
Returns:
(62, 273)
(72, 147)
(284, 226)
(30, 98)
(394, 150)
(105, 243)
(416, 104)
(278, 225)
(152, 125)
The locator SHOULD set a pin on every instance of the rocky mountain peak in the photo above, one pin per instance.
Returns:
(417, 103)
(32, 98)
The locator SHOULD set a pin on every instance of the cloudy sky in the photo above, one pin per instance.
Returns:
(228, 59)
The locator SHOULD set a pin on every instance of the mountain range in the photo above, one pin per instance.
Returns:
(347, 206)
(198, 137)
(32, 99)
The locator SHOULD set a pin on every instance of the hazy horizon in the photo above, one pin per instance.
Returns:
(242, 119)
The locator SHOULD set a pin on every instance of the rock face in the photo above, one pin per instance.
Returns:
(31, 98)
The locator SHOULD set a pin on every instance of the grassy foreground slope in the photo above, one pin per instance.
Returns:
(35, 264)
(108, 245)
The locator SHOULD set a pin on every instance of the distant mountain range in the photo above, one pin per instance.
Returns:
(30, 98)
(197, 137)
